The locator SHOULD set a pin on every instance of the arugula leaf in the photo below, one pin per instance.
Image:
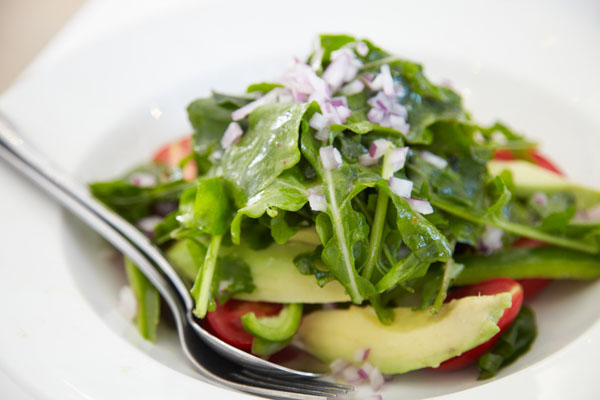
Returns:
(269, 147)
(209, 120)
(340, 227)
(210, 214)
(133, 202)
(148, 301)
(513, 343)
(287, 192)
(263, 87)
(307, 265)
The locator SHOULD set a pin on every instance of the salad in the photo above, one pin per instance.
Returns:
(353, 210)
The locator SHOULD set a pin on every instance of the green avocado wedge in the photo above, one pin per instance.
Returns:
(415, 340)
(276, 279)
(528, 179)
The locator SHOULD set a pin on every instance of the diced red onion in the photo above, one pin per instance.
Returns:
(381, 101)
(363, 374)
(366, 160)
(491, 239)
(268, 98)
(367, 77)
(147, 224)
(322, 134)
(375, 115)
(362, 49)
(317, 201)
(350, 375)
(379, 147)
(400, 187)
(318, 121)
(343, 68)
(127, 303)
(387, 82)
(590, 215)
(339, 101)
(376, 84)
(286, 97)
(343, 112)
(330, 157)
(162, 208)
(420, 206)
(361, 354)
(338, 366)
(142, 179)
(353, 87)
(232, 135)
(398, 158)
(399, 110)
(398, 123)
(433, 159)
(376, 379)
(540, 198)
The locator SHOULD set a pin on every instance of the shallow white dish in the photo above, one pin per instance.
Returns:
(94, 110)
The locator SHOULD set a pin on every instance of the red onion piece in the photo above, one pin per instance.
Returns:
(343, 68)
(330, 157)
(376, 379)
(399, 110)
(362, 49)
(433, 159)
(317, 201)
(244, 111)
(363, 374)
(398, 158)
(318, 121)
(398, 123)
(491, 240)
(147, 224)
(142, 179)
(400, 187)
(350, 375)
(366, 160)
(379, 147)
(232, 135)
(540, 198)
(353, 87)
(420, 206)
(387, 82)
(322, 134)
(343, 112)
(361, 354)
(338, 366)
(375, 115)
(339, 101)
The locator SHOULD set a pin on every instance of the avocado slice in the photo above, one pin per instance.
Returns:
(276, 278)
(528, 178)
(416, 339)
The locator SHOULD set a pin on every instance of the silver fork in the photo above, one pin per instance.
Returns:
(256, 376)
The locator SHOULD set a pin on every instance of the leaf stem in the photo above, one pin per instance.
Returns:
(201, 289)
(517, 229)
(376, 233)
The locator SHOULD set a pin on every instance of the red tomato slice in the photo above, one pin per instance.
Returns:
(531, 287)
(173, 153)
(226, 320)
(489, 287)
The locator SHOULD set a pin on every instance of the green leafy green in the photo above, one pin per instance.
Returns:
(340, 227)
(148, 301)
(268, 147)
(134, 202)
(307, 265)
(513, 343)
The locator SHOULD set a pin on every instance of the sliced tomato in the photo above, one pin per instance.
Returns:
(173, 153)
(489, 287)
(532, 286)
(226, 320)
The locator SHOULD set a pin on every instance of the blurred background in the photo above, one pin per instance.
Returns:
(26, 26)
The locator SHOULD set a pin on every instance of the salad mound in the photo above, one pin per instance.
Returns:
(354, 187)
